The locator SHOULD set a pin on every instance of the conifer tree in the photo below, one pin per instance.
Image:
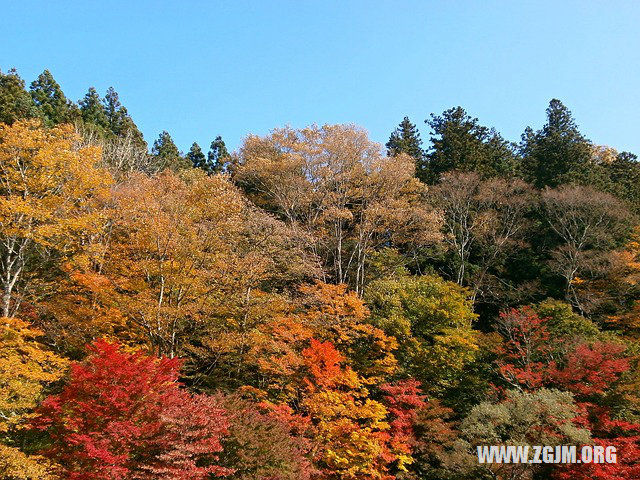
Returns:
(406, 139)
(50, 100)
(15, 101)
(196, 157)
(92, 110)
(218, 156)
(166, 154)
(558, 153)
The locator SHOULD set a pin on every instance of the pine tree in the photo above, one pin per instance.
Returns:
(558, 153)
(92, 110)
(406, 139)
(459, 142)
(119, 122)
(196, 157)
(166, 154)
(218, 156)
(50, 100)
(15, 101)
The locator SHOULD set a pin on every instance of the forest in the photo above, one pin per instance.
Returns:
(313, 305)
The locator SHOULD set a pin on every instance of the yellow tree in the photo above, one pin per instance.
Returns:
(189, 255)
(26, 368)
(340, 188)
(49, 189)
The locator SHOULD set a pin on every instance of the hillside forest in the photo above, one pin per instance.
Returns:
(313, 305)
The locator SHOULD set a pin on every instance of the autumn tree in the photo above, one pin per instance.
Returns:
(350, 428)
(335, 184)
(27, 368)
(587, 225)
(185, 266)
(49, 191)
(485, 223)
(545, 417)
(431, 318)
(123, 415)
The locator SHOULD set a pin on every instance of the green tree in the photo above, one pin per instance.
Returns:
(218, 156)
(406, 139)
(50, 100)
(431, 318)
(92, 110)
(119, 121)
(558, 153)
(166, 154)
(459, 142)
(196, 157)
(15, 101)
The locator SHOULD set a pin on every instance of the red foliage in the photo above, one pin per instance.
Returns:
(124, 416)
(590, 369)
(403, 401)
(525, 352)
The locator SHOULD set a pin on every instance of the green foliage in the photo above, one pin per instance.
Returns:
(406, 139)
(562, 321)
(431, 318)
(15, 101)
(459, 142)
(166, 154)
(218, 156)
(48, 97)
(556, 154)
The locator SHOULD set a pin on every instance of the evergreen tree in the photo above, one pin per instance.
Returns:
(92, 110)
(459, 142)
(15, 101)
(50, 100)
(558, 153)
(197, 157)
(218, 156)
(166, 154)
(406, 139)
(119, 122)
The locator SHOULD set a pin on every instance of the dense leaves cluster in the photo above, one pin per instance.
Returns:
(313, 306)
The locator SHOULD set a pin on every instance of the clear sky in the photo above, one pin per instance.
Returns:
(202, 68)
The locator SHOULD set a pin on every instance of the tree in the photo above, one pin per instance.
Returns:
(167, 155)
(123, 415)
(485, 223)
(49, 191)
(558, 152)
(196, 157)
(544, 417)
(431, 319)
(218, 156)
(406, 139)
(50, 100)
(119, 121)
(337, 186)
(349, 428)
(459, 142)
(15, 101)
(588, 225)
(27, 368)
(261, 445)
(92, 110)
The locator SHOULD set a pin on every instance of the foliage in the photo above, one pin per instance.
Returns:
(123, 415)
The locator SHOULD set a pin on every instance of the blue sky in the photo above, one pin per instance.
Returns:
(204, 68)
